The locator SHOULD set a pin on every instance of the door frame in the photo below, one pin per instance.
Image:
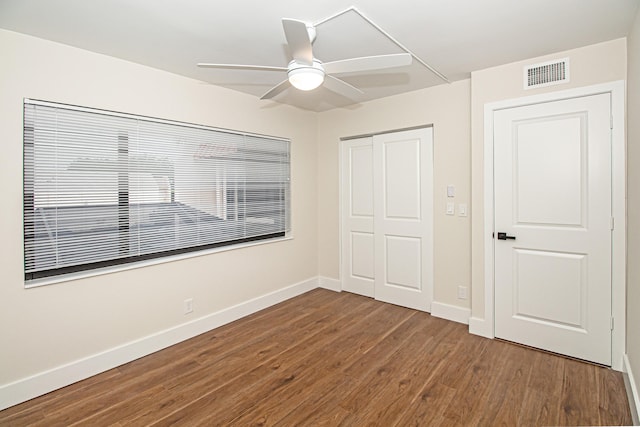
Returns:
(618, 182)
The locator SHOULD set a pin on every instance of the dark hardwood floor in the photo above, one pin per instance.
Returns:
(328, 358)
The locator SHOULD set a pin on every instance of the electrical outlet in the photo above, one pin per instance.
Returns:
(462, 292)
(188, 306)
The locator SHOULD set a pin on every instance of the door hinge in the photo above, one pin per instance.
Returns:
(611, 323)
(612, 223)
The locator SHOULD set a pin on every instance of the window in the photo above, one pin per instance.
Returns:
(103, 188)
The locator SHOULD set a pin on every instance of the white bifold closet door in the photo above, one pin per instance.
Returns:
(387, 217)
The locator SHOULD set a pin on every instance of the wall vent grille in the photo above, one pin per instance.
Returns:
(546, 73)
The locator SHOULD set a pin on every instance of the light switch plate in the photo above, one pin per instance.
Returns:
(462, 209)
(451, 208)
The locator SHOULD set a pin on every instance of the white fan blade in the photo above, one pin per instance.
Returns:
(241, 67)
(298, 39)
(367, 63)
(276, 90)
(341, 87)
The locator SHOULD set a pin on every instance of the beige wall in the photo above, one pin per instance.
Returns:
(447, 108)
(50, 326)
(600, 63)
(633, 200)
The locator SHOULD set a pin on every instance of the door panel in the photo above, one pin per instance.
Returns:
(403, 217)
(358, 270)
(552, 171)
(362, 255)
(536, 275)
(403, 262)
(401, 175)
(361, 178)
(558, 187)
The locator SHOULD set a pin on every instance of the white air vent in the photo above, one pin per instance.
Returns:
(546, 73)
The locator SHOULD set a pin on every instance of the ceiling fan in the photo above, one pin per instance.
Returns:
(305, 72)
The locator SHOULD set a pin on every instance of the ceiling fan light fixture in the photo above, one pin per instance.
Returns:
(306, 78)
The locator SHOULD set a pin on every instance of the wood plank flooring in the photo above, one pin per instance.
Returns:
(328, 358)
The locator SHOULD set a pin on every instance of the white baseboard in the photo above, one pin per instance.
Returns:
(61, 376)
(450, 312)
(632, 390)
(481, 327)
(331, 284)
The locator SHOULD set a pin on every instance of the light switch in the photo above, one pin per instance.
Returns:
(462, 209)
(451, 209)
(451, 191)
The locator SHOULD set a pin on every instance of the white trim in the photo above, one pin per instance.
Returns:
(61, 376)
(633, 394)
(383, 132)
(341, 209)
(619, 241)
(450, 312)
(488, 222)
(330, 284)
(617, 91)
(480, 327)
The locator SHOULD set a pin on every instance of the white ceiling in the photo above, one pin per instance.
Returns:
(455, 37)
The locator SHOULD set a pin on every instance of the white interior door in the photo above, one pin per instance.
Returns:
(552, 178)
(357, 217)
(403, 217)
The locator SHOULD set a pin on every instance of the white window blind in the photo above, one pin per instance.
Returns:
(104, 188)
